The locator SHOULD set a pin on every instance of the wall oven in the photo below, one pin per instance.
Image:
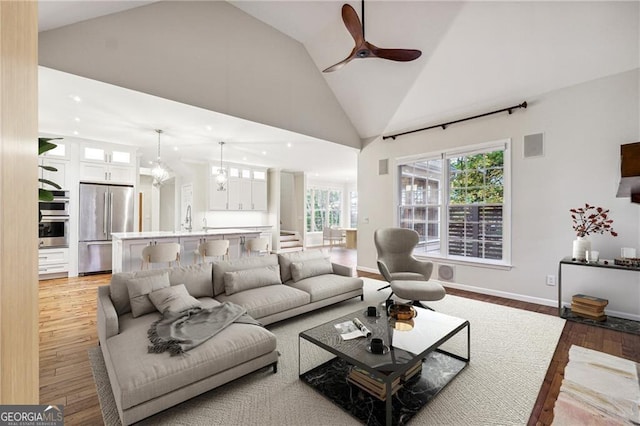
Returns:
(53, 229)
(59, 206)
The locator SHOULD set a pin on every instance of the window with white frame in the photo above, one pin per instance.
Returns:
(323, 207)
(458, 202)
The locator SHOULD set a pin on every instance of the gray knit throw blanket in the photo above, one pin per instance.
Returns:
(178, 332)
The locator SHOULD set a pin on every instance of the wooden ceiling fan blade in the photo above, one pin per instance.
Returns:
(401, 55)
(336, 67)
(352, 22)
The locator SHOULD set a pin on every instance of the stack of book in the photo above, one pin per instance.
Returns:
(589, 307)
(376, 386)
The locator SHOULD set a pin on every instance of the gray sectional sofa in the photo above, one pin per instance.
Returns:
(271, 288)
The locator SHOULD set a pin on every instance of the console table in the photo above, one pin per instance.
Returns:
(615, 323)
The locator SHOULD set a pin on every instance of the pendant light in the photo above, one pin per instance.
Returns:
(221, 178)
(159, 172)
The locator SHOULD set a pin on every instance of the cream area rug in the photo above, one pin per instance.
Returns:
(510, 354)
(598, 389)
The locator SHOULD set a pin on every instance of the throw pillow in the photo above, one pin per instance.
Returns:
(139, 288)
(310, 268)
(247, 279)
(175, 299)
(196, 278)
(286, 259)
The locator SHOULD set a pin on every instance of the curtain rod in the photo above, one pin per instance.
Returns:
(444, 125)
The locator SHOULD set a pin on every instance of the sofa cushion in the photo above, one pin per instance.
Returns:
(324, 286)
(247, 279)
(139, 289)
(175, 299)
(310, 268)
(196, 278)
(286, 259)
(263, 301)
(118, 287)
(222, 266)
(141, 376)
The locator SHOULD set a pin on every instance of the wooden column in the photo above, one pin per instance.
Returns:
(18, 202)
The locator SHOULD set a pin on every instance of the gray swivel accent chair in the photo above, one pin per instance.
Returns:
(401, 269)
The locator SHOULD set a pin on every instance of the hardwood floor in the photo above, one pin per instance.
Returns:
(68, 329)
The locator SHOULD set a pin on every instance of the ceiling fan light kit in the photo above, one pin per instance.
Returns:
(364, 49)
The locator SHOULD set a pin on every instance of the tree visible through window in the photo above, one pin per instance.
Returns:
(456, 203)
(323, 208)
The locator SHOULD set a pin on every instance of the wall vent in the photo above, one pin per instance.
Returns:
(383, 167)
(446, 272)
(533, 145)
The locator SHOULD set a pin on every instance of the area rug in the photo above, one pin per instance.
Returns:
(598, 389)
(510, 353)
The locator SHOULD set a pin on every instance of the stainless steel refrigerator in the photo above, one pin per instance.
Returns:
(104, 209)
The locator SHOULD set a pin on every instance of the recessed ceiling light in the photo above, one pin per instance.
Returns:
(76, 119)
(175, 148)
(264, 152)
(75, 98)
(317, 174)
(244, 158)
(209, 128)
(75, 132)
(150, 162)
(289, 145)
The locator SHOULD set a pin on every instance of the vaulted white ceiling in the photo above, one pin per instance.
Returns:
(476, 55)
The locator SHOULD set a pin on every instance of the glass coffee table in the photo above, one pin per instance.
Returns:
(387, 388)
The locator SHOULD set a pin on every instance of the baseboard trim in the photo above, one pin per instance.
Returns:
(365, 269)
(498, 293)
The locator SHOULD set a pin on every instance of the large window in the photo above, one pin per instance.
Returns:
(457, 202)
(323, 208)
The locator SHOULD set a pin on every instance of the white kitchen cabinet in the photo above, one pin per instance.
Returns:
(53, 263)
(105, 163)
(239, 194)
(59, 176)
(95, 172)
(246, 189)
(259, 195)
(102, 153)
(217, 199)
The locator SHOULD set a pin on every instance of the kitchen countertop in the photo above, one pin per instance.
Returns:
(173, 234)
(239, 227)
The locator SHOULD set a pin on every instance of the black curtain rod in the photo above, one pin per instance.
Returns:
(444, 125)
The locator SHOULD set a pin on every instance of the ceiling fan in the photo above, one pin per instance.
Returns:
(364, 49)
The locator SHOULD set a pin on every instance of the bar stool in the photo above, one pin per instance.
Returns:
(214, 248)
(260, 246)
(159, 253)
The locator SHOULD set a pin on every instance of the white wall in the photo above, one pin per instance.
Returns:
(207, 54)
(287, 203)
(583, 126)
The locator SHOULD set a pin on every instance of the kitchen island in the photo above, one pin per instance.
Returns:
(127, 246)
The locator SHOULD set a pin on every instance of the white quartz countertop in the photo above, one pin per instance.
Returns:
(178, 234)
(239, 227)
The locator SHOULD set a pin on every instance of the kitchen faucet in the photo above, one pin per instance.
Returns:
(187, 220)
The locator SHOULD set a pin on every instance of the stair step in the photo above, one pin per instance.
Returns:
(289, 238)
(288, 244)
(290, 249)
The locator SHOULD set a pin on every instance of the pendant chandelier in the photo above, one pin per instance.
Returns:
(160, 172)
(221, 178)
